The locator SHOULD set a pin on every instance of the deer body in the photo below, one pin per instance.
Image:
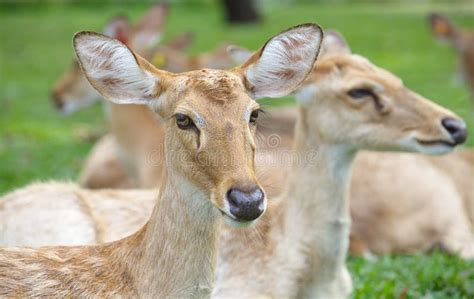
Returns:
(434, 210)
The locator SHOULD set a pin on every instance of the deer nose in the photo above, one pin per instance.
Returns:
(57, 100)
(456, 128)
(246, 205)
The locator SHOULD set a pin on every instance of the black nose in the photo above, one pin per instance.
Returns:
(57, 100)
(456, 128)
(246, 205)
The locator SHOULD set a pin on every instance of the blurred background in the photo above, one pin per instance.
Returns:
(38, 143)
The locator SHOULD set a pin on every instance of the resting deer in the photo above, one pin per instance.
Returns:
(431, 198)
(462, 41)
(346, 105)
(207, 114)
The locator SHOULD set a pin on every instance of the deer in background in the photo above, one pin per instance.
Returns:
(462, 41)
(208, 113)
(305, 251)
(73, 92)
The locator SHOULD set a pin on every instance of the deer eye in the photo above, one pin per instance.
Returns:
(184, 122)
(254, 116)
(360, 93)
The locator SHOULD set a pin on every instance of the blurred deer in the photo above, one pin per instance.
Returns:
(206, 113)
(72, 91)
(462, 41)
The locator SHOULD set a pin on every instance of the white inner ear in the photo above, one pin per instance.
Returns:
(284, 62)
(113, 71)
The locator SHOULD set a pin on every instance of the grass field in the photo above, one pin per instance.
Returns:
(36, 143)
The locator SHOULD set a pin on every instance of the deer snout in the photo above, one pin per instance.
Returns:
(246, 204)
(57, 100)
(456, 128)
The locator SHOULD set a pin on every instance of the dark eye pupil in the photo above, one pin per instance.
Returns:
(254, 116)
(360, 93)
(183, 121)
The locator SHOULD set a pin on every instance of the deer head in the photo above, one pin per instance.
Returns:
(72, 91)
(462, 40)
(441, 27)
(349, 99)
(209, 114)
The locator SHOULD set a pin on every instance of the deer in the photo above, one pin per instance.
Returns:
(72, 92)
(207, 113)
(305, 238)
(430, 197)
(463, 42)
(303, 255)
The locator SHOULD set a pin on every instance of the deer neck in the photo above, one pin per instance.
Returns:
(316, 206)
(174, 254)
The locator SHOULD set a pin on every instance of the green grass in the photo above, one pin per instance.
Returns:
(37, 144)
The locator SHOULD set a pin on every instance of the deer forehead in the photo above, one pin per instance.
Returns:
(214, 92)
(354, 71)
(365, 67)
(213, 89)
(215, 82)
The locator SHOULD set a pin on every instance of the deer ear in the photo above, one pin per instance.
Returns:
(115, 71)
(181, 42)
(283, 62)
(147, 32)
(334, 43)
(239, 55)
(441, 26)
(118, 27)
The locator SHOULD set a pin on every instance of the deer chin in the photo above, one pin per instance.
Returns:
(435, 146)
(428, 146)
(234, 222)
